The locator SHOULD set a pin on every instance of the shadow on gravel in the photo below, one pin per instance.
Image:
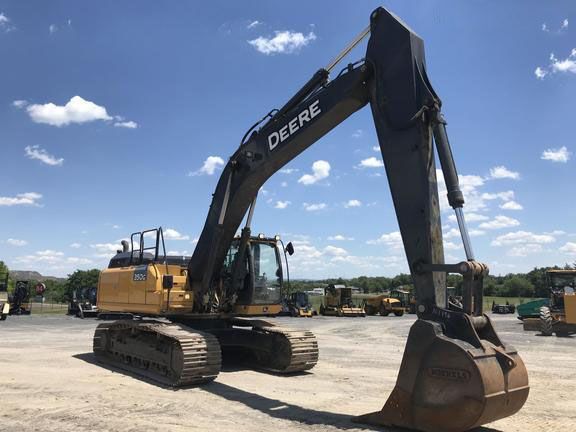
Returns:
(226, 367)
(285, 411)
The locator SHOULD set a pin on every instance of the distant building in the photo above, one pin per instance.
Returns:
(316, 292)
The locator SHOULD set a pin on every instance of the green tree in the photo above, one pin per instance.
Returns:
(518, 286)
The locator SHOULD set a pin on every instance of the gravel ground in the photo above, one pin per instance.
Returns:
(49, 382)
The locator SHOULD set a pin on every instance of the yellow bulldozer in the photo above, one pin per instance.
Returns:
(338, 302)
(384, 305)
(559, 317)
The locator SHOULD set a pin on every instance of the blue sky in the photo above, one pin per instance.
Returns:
(116, 116)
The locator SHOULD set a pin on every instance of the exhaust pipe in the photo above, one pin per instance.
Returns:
(125, 246)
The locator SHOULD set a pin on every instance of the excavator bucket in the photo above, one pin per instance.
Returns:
(453, 383)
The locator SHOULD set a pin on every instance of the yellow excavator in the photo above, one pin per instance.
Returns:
(456, 373)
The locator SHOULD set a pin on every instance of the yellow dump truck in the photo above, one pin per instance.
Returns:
(384, 305)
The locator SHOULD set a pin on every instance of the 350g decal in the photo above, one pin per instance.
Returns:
(140, 274)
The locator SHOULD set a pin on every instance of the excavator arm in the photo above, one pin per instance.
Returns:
(456, 373)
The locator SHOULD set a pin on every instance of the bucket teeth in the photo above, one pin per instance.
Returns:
(447, 384)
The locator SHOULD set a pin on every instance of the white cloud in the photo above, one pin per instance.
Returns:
(569, 248)
(371, 162)
(470, 217)
(522, 237)
(567, 65)
(28, 198)
(253, 24)
(284, 184)
(288, 170)
(545, 28)
(282, 204)
(357, 133)
(340, 237)
(320, 171)
(501, 172)
(75, 245)
(392, 240)
(76, 110)
(314, 207)
(6, 23)
(20, 103)
(564, 24)
(523, 243)
(476, 232)
(126, 124)
(353, 203)
(556, 155)
(500, 222)
(37, 152)
(283, 42)
(540, 73)
(172, 234)
(16, 242)
(376, 148)
(451, 246)
(511, 205)
(504, 196)
(524, 250)
(105, 250)
(78, 261)
(451, 233)
(52, 28)
(335, 251)
(211, 164)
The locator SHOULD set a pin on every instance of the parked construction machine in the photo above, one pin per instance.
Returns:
(4, 303)
(559, 317)
(456, 373)
(297, 304)
(384, 305)
(83, 303)
(338, 302)
(20, 300)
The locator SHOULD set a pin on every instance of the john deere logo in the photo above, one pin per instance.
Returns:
(449, 374)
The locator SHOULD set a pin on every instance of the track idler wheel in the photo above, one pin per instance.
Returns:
(453, 384)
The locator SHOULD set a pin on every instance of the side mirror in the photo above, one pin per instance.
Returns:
(167, 281)
(290, 249)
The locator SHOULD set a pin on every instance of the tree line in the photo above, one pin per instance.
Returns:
(531, 284)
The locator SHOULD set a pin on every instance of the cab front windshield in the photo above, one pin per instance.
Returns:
(267, 273)
(562, 281)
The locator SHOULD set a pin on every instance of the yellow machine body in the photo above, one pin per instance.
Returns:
(138, 290)
(4, 305)
(570, 308)
(257, 309)
(338, 302)
(384, 305)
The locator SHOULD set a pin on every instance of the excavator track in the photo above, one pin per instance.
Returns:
(171, 354)
(297, 349)
(269, 348)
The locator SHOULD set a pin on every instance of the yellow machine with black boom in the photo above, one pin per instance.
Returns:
(456, 373)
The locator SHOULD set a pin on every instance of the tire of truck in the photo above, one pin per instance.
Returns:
(546, 321)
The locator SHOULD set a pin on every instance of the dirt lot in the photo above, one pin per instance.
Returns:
(48, 382)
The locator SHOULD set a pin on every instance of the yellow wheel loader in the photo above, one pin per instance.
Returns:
(384, 305)
(338, 302)
(456, 373)
(559, 317)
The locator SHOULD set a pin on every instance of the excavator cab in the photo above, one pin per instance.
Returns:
(263, 281)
